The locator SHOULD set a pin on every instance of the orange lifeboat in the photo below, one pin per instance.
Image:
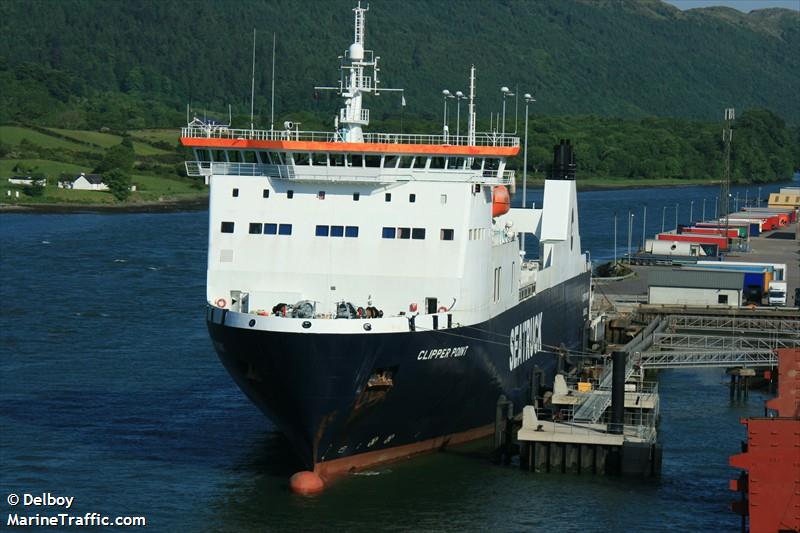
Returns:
(501, 201)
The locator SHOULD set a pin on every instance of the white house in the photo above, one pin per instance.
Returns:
(26, 180)
(89, 182)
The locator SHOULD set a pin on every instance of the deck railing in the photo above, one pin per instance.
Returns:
(481, 139)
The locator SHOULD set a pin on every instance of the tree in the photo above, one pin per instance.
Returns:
(119, 157)
(119, 184)
(36, 188)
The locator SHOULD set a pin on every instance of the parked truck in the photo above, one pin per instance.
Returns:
(777, 293)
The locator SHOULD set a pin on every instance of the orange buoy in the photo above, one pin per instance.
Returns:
(306, 483)
(501, 201)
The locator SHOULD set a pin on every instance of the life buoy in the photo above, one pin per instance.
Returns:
(442, 309)
(221, 303)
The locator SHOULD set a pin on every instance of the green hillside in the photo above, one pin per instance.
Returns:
(129, 65)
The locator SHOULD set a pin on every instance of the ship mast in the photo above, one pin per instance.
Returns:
(354, 84)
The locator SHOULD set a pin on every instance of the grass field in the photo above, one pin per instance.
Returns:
(107, 140)
(168, 136)
(52, 169)
(13, 135)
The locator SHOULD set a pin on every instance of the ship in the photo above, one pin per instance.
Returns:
(369, 291)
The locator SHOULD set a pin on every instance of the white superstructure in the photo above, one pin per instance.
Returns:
(405, 224)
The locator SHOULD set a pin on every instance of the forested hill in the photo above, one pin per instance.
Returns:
(126, 64)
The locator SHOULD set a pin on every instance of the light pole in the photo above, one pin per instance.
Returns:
(746, 196)
(445, 94)
(676, 218)
(506, 92)
(615, 238)
(630, 234)
(459, 96)
(644, 226)
(704, 210)
(716, 204)
(528, 100)
(736, 203)
(691, 211)
(663, 218)
(759, 197)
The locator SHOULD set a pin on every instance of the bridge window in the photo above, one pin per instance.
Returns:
(235, 193)
(300, 158)
(351, 231)
(322, 231)
(406, 161)
(404, 233)
(290, 194)
(389, 233)
(264, 158)
(420, 161)
(219, 156)
(285, 229)
(278, 158)
(356, 196)
(270, 228)
(477, 163)
(226, 227)
(455, 162)
(390, 161)
(337, 160)
(372, 161)
(249, 157)
(355, 160)
(437, 162)
(446, 234)
(492, 163)
(255, 228)
(418, 233)
(265, 193)
(234, 156)
(337, 231)
(203, 155)
(319, 160)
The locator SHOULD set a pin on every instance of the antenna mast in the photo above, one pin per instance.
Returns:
(272, 105)
(253, 82)
(471, 108)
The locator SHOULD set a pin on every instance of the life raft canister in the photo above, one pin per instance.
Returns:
(501, 201)
(221, 303)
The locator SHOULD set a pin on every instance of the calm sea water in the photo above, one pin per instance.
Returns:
(110, 392)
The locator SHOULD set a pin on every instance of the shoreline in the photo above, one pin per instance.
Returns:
(164, 206)
(201, 203)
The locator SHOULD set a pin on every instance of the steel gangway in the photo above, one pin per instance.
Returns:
(596, 404)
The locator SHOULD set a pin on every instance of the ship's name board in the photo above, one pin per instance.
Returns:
(525, 341)
(442, 353)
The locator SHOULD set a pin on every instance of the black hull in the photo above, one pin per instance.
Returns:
(317, 389)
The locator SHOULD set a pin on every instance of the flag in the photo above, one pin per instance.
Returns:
(403, 100)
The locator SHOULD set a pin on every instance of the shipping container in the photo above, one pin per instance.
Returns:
(733, 233)
(722, 242)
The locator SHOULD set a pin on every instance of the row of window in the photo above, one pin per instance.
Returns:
(412, 198)
(337, 231)
(259, 228)
(348, 160)
(271, 228)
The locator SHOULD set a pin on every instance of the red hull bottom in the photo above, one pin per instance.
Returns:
(329, 470)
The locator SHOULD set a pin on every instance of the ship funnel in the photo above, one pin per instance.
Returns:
(563, 166)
